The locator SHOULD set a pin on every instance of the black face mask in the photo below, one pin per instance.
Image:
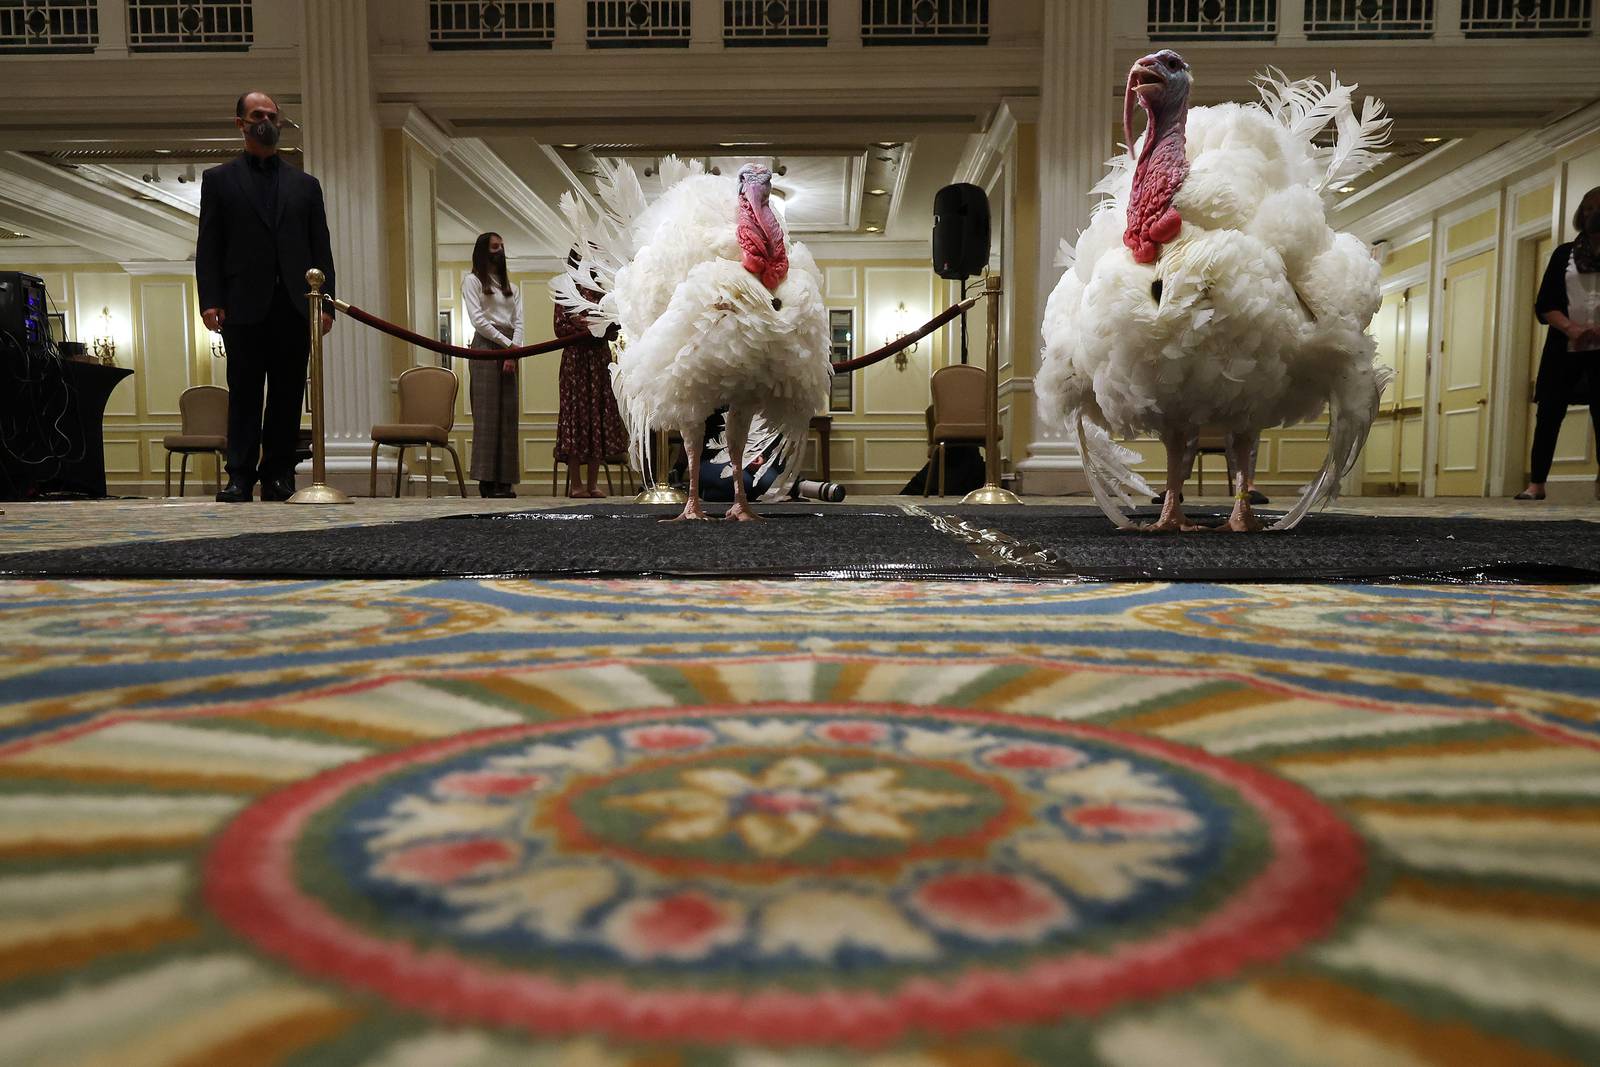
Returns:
(264, 132)
(499, 260)
(1592, 224)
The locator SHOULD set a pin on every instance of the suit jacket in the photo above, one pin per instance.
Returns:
(241, 255)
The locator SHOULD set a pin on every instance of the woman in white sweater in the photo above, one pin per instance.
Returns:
(494, 307)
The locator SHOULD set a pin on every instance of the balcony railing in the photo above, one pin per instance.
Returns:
(913, 22)
(454, 24)
(1212, 20)
(1332, 20)
(190, 25)
(638, 24)
(48, 26)
(767, 23)
(1527, 18)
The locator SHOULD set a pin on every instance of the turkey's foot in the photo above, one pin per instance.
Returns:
(1172, 519)
(693, 511)
(1242, 520)
(742, 513)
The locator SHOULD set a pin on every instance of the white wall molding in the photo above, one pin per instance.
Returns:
(140, 268)
(868, 247)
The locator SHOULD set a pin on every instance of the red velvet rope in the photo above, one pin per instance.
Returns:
(552, 345)
(909, 339)
(556, 343)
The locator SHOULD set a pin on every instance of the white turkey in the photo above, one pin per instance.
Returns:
(715, 307)
(1209, 290)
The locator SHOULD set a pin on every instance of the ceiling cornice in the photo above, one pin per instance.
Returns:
(1529, 150)
(488, 174)
(84, 222)
(433, 137)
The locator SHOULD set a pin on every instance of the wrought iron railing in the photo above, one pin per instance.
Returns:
(913, 22)
(190, 25)
(1216, 20)
(1331, 20)
(463, 24)
(1527, 18)
(638, 23)
(774, 22)
(48, 26)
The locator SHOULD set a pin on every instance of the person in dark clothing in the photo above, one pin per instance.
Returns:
(1569, 367)
(262, 226)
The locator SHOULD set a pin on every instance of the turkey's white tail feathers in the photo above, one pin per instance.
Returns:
(600, 248)
(674, 170)
(1306, 107)
(1356, 144)
(1105, 467)
(1351, 408)
(622, 194)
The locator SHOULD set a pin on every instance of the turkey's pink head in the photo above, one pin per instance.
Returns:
(760, 234)
(1160, 84)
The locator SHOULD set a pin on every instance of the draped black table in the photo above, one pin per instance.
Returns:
(83, 466)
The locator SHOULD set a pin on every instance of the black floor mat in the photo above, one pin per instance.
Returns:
(1080, 542)
(806, 540)
(596, 539)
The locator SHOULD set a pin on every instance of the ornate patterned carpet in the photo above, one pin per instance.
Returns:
(474, 823)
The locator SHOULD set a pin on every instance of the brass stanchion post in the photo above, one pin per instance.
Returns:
(992, 492)
(659, 492)
(319, 491)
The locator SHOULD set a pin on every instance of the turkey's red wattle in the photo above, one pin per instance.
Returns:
(761, 242)
(1152, 220)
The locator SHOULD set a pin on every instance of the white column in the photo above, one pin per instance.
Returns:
(1447, 21)
(343, 143)
(1076, 113)
(113, 23)
(572, 26)
(844, 25)
(705, 25)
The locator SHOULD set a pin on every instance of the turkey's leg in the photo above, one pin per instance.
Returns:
(1172, 517)
(693, 441)
(1243, 519)
(738, 430)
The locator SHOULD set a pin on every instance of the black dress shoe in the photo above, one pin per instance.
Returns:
(235, 492)
(278, 490)
(1257, 498)
(1162, 499)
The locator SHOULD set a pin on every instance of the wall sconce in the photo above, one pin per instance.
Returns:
(901, 322)
(218, 349)
(105, 342)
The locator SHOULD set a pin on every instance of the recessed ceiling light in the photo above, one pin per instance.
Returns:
(569, 146)
(878, 192)
(872, 229)
(1432, 140)
(888, 144)
(163, 151)
(1347, 188)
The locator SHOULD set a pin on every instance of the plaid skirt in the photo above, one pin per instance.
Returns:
(495, 438)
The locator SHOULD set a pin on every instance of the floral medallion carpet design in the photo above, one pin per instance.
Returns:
(804, 824)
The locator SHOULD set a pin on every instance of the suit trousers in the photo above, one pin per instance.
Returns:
(270, 358)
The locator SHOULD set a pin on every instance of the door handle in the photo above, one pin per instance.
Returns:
(1483, 401)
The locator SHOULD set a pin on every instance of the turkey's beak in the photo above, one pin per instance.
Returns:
(1144, 81)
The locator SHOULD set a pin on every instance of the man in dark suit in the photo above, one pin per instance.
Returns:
(262, 226)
